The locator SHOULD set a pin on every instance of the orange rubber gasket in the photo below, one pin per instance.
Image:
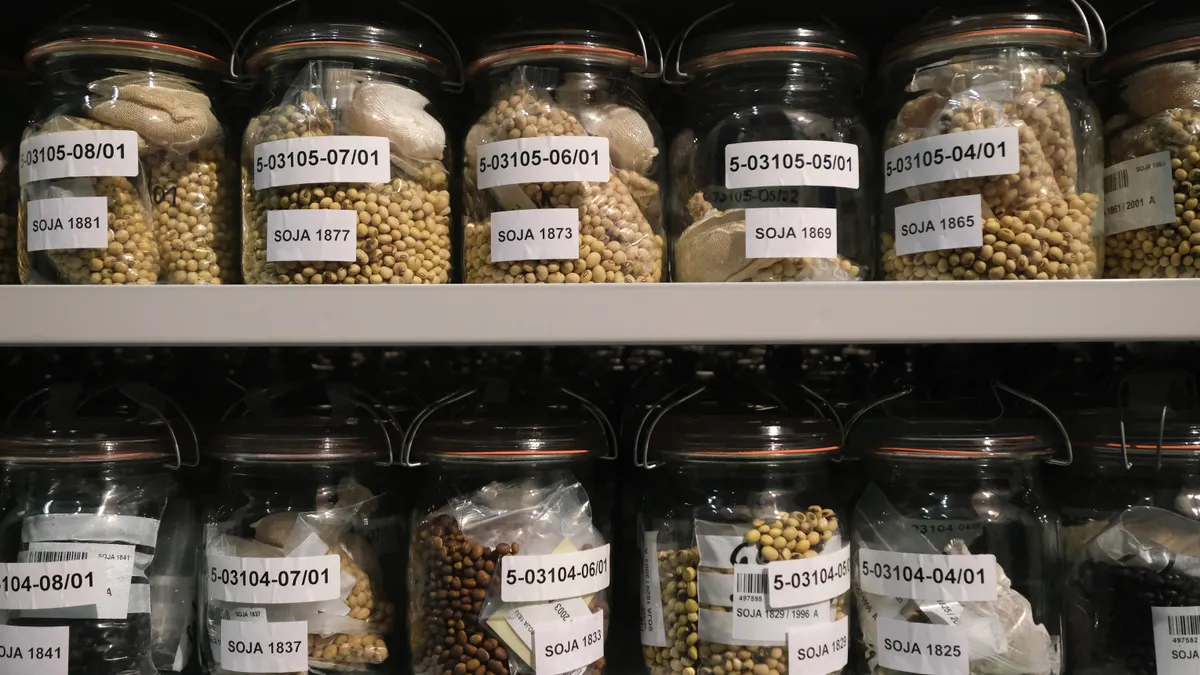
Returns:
(480, 453)
(517, 51)
(33, 53)
(305, 43)
(787, 451)
(997, 31)
(746, 51)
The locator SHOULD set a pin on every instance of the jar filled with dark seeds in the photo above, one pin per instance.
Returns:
(509, 538)
(1152, 128)
(956, 542)
(291, 544)
(1113, 589)
(744, 509)
(770, 154)
(94, 534)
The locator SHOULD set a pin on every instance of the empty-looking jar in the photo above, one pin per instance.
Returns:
(1152, 129)
(561, 181)
(993, 162)
(510, 565)
(958, 561)
(11, 121)
(768, 164)
(124, 173)
(290, 579)
(344, 169)
(745, 545)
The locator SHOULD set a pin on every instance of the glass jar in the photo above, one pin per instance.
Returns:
(11, 120)
(993, 163)
(1127, 509)
(125, 178)
(769, 158)
(565, 129)
(344, 169)
(958, 550)
(510, 536)
(97, 538)
(289, 553)
(742, 503)
(1152, 129)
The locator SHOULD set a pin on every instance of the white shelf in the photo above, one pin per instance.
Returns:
(877, 312)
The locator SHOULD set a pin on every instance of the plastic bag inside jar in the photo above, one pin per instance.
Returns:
(403, 231)
(458, 622)
(1035, 225)
(620, 237)
(347, 632)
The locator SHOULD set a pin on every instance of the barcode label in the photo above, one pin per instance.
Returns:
(57, 556)
(751, 583)
(1183, 625)
(1118, 180)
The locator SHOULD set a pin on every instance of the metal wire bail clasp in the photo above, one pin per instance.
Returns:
(406, 445)
(641, 453)
(1098, 38)
(998, 386)
(610, 434)
(337, 391)
(459, 82)
(652, 55)
(185, 442)
(856, 417)
(676, 75)
(1126, 385)
(234, 56)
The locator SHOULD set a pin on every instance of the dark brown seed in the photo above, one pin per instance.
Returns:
(516, 548)
(482, 655)
(499, 653)
(472, 664)
(483, 578)
(502, 549)
(476, 638)
(495, 666)
(481, 670)
(460, 669)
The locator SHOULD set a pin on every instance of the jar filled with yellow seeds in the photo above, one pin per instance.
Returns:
(562, 168)
(1151, 100)
(993, 162)
(124, 173)
(291, 580)
(344, 169)
(746, 553)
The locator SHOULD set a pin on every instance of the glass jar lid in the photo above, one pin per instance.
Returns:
(952, 31)
(767, 43)
(608, 37)
(109, 31)
(319, 425)
(359, 41)
(1134, 434)
(1151, 42)
(949, 439)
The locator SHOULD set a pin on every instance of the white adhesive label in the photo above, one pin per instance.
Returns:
(1176, 640)
(718, 551)
(535, 578)
(70, 527)
(79, 154)
(1139, 193)
(322, 160)
(34, 650)
(938, 224)
(253, 647)
(653, 629)
(928, 576)
(121, 563)
(805, 581)
(322, 235)
(545, 159)
(77, 582)
(791, 233)
(274, 581)
(791, 163)
(922, 648)
(64, 223)
(819, 649)
(523, 619)
(965, 154)
(567, 646)
(754, 620)
(535, 234)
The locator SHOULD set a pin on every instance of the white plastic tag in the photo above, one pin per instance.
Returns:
(653, 631)
(320, 160)
(1139, 193)
(76, 582)
(73, 527)
(64, 223)
(544, 159)
(567, 646)
(121, 563)
(253, 647)
(312, 234)
(535, 578)
(805, 581)
(79, 154)
(938, 224)
(1176, 640)
(925, 648)
(927, 576)
(34, 650)
(274, 581)
(535, 234)
(754, 620)
(819, 649)
(791, 233)
(717, 551)
(523, 619)
(788, 163)
(964, 154)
